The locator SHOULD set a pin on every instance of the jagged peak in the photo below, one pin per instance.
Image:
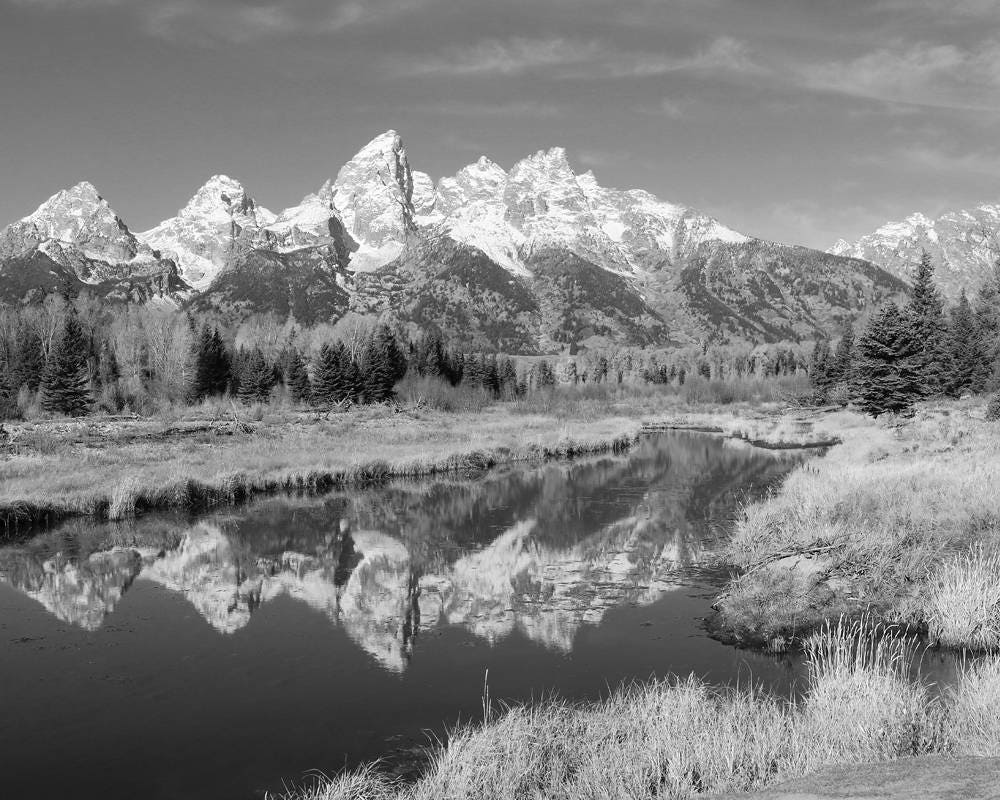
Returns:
(224, 194)
(387, 142)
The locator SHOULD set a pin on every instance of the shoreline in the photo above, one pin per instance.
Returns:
(139, 465)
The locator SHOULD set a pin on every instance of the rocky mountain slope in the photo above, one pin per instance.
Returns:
(75, 239)
(529, 259)
(963, 244)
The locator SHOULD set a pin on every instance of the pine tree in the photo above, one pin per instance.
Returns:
(221, 364)
(507, 374)
(328, 381)
(987, 312)
(966, 351)
(888, 370)
(379, 374)
(819, 371)
(8, 394)
(297, 378)
(352, 381)
(27, 359)
(65, 383)
(256, 378)
(925, 317)
(472, 374)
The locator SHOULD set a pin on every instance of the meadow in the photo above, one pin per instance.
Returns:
(112, 467)
(900, 521)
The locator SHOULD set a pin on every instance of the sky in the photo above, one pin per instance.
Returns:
(801, 121)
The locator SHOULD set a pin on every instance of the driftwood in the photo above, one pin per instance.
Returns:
(802, 551)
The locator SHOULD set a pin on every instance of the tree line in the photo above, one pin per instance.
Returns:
(914, 352)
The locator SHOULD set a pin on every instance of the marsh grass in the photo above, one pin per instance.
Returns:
(115, 469)
(680, 737)
(873, 527)
(964, 601)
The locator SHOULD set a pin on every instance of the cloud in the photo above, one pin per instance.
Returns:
(462, 108)
(942, 75)
(952, 12)
(236, 21)
(671, 109)
(573, 58)
(948, 161)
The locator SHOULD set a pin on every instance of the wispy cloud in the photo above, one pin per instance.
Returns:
(564, 58)
(943, 75)
(465, 108)
(206, 21)
(944, 160)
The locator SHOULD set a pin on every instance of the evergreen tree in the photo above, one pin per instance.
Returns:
(491, 375)
(888, 370)
(473, 371)
(967, 353)
(212, 366)
(256, 378)
(8, 395)
(380, 371)
(842, 365)
(987, 312)
(925, 317)
(27, 359)
(507, 374)
(328, 381)
(220, 364)
(65, 383)
(819, 371)
(352, 385)
(297, 378)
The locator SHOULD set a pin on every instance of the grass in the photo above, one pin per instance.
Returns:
(963, 604)
(899, 521)
(215, 453)
(681, 738)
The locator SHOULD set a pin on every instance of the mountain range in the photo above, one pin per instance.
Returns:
(528, 260)
(964, 246)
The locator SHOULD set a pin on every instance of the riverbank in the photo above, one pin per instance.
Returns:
(899, 522)
(113, 468)
(682, 738)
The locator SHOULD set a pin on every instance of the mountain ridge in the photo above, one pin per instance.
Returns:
(559, 258)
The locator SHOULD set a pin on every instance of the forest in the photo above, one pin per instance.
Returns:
(74, 356)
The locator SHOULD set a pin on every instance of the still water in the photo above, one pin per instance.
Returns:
(215, 657)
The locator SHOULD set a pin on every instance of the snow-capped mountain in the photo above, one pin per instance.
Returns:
(207, 233)
(964, 246)
(529, 258)
(75, 237)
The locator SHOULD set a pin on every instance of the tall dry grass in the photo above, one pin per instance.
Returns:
(871, 528)
(681, 738)
(963, 603)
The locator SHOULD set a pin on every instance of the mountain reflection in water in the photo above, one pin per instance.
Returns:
(257, 643)
(545, 551)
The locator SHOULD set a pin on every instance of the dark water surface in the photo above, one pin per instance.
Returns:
(215, 657)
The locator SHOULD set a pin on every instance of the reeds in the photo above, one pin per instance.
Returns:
(680, 738)
(964, 601)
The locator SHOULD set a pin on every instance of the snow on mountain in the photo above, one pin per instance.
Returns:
(373, 194)
(77, 228)
(964, 245)
(205, 233)
(541, 203)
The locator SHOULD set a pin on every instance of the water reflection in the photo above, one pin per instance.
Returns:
(544, 551)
